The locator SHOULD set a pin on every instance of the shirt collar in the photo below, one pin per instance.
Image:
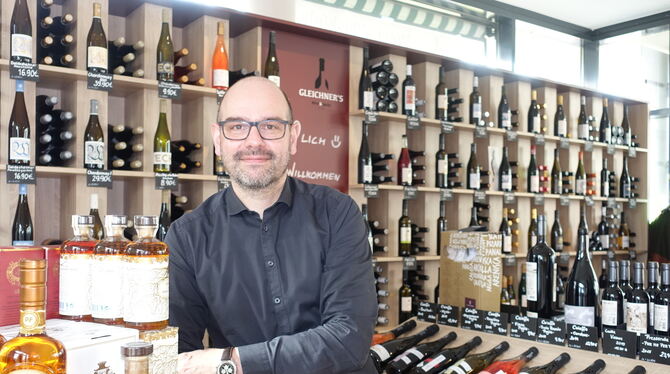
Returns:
(235, 206)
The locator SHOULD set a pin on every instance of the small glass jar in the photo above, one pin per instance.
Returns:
(136, 357)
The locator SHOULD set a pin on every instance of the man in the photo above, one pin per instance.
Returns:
(276, 268)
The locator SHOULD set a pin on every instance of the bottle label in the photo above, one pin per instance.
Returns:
(626, 190)
(636, 317)
(145, 284)
(562, 127)
(442, 101)
(605, 241)
(381, 352)
(535, 183)
(507, 244)
(507, 120)
(610, 312)
(580, 315)
(661, 317)
(625, 310)
(220, 78)
(652, 306)
(461, 367)
(533, 240)
(412, 352)
(506, 182)
(512, 301)
(524, 301)
(94, 152)
(406, 176)
(583, 131)
(625, 242)
(165, 67)
(23, 243)
(433, 363)
(106, 295)
(532, 314)
(531, 281)
(580, 186)
(22, 45)
(367, 173)
(97, 57)
(559, 243)
(474, 181)
(410, 94)
(553, 282)
(477, 111)
(75, 284)
(443, 167)
(19, 149)
(275, 79)
(368, 100)
(628, 138)
(405, 235)
(536, 123)
(162, 158)
(405, 304)
(608, 135)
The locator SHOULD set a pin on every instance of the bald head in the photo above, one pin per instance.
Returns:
(255, 98)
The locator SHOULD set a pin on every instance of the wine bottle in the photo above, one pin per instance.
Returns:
(580, 176)
(624, 283)
(365, 90)
(22, 227)
(475, 103)
(364, 158)
(604, 230)
(582, 122)
(473, 217)
(164, 216)
(557, 233)
(541, 276)
(442, 164)
(444, 359)
(380, 338)
(625, 181)
(505, 173)
(582, 289)
(381, 354)
(662, 302)
(404, 165)
(596, 367)
(21, 30)
(550, 367)
(441, 225)
(504, 112)
(162, 155)
(560, 123)
(405, 231)
(220, 59)
(412, 356)
(603, 279)
(532, 229)
(271, 69)
(613, 301)
(637, 302)
(534, 125)
(604, 180)
(505, 298)
(523, 294)
(533, 174)
(19, 129)
(98, 228)
(605, 132)
(473, 169)
(625, 125)
(473, 364)
(96, 44)
(556, 174)
(639, 369)
(165, 51)
(506, 232)
(653, 291)
(512, 365)
(185, 166)
(441, 96)
(94, 141)
(409, 94)
(623, 239)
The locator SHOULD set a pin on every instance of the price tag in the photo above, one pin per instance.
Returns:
(409, 192)
(632, 152)
(166, 181)
(447, 315)
(654, 348)
(523, 327)
(480, 131)
(511, 135)
(564, 143)
(588, 146)
(632, 254)
(632, 203)
(588, 199)
(471, 319)
(564, 258)
(219, 96)
(447, 128)
(413, 123)
(169, 90)
(370, 117)
(24, 71)
(100, 81)
(611, 203)
(371, 190)
(18, 174)
(610, 149)
(509, 198)
(564, 200)
(583, 337)
(538, 199)
(539, 139)
(551, 332)
(99, 178)
(495, 323)
(509, 260)
(409, 263)
(446, 194)
(222, 182)
(620, 343)
(427, 312)
(480, 196)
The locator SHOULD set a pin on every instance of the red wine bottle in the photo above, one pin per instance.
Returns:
(412, 356)
(442, 360)
(396, 332)
(596, 367)
(513, 365)
(613, 301)
(382, 354)
(475, 363)
(404, 165)
(549, 368)
(541, 276)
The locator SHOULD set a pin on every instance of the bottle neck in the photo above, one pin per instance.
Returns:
(146, 232)
(81, 232)
(32, 319)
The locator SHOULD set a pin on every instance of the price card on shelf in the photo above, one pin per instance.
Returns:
(632, 152)
(99, 178)
(413, 123)
(620, 343)
(564, 200)
(654, 348)
(564, 143)
(611, 203)
(632, 203)
(480, 131)
(480, 196)
(447, 315)
(610, 149)
(371, 190)
(427, 312)
(523, 327)
(509, 260)
(19, 174)
(446, 194)
(370, 117)
(539, 139)
(409, 263)
(24, 71)
(588, 146)
(495, 322)
(551, 332)
(222, 182)
(169, 90)
(509, 198)
(99, 81)
(588, 199)
(409, 192)
(564, 258)
(219, 95)
(582, 337)
(511, 135)
(632, 254)
(446, 127)
(538, 199)
(471, 319)
(166, 181)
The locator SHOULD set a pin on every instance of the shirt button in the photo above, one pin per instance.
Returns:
(277, 300)
(265, 228)
(271, 263)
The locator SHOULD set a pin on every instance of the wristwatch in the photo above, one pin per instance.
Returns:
(227, 366)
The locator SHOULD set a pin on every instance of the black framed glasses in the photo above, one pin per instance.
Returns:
(269, 129)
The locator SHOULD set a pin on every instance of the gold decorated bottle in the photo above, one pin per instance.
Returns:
(146, 278)
(33, 351)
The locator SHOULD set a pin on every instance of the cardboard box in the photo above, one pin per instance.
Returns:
(52, 254)
(471, 270)
(10, 258)
(91, 347)
(164, 358)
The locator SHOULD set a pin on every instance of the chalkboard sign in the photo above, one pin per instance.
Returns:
(538, 199)
(409, 192)
(620, 343)
(509, 198)
(370, 117)
(655, 348)
(551, 332)
(446, 127)
(480, 131)
(427, 312)
(446, 194)
(523, 327)
(371, 190)
(495, 323)
(480, 196)
(583, 337)
(471, 319)
(511, 135)
(564, 200)
(539, 139)
(447, 315)
(413, 123)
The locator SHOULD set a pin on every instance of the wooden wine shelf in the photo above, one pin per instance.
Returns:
(59, 170)
(382, 259)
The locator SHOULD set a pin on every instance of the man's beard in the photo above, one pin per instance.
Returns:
(260, 178)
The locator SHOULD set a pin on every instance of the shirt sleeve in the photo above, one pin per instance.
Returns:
(187, 309)
(341, 343)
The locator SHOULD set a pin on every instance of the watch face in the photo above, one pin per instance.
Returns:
(226, 367)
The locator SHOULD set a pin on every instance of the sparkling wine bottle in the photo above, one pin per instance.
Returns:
(382, 354)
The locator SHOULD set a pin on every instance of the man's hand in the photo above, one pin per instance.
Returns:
(204, 361)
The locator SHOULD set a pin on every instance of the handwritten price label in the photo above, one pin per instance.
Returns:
(24, 71)
(222, 182)
(100, 81)
(17, 174)
(166, 181)
(99, 178)
(169, 90)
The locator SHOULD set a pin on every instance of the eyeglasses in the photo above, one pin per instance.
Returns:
(269, 129)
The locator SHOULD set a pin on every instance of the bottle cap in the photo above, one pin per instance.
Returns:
(145, 221)
(94, 107)
(137, 349)
(82, 220)
(23, 189)
(115, 220)
(20, 86)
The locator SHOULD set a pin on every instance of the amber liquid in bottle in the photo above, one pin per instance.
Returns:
(75, 271)
(32, 351)
(107, 273)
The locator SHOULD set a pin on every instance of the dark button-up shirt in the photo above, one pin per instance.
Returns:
(293, 291)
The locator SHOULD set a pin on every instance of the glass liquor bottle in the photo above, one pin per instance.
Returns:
(146, 278)
(32, 351)
(107, 272)
(136, 357)
(75, 271)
